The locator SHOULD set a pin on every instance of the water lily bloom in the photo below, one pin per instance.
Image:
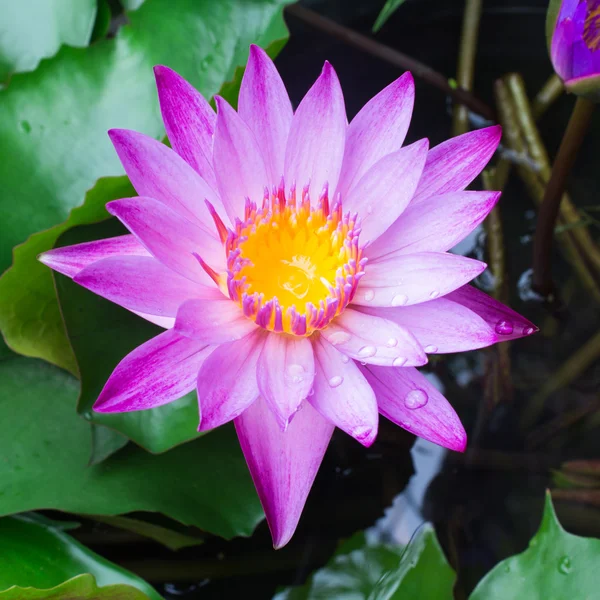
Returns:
(300, 268)
(573, 28)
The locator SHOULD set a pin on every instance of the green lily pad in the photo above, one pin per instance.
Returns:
(44, 562)
(45, 448)
(31, 30)
(556, 565)
(53, 125)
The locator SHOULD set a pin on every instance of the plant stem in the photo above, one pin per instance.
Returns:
(542, 247)
(394, 57)
(550, 92)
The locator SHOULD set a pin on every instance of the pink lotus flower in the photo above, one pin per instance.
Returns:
(299, 266)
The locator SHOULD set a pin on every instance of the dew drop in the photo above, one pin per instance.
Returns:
(434, 294)
(345, 359)
(335, 381)
(294, 373)
(392, 343)
(369, 295)
(312, 392)
(504, 327)
(430, 349)
(25, 126)
(564, 565)
(339, 337)
(399, 361)
(528, 330)
(416, 399)
(367, 351)
(399, 300)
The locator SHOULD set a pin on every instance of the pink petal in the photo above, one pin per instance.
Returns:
(385, 190)
(342, 394)
(441, 325)
(155, 373)
(283, 465)
(454, 164)
(285, 373)
(315, 148)
(158, 172)
(189, 120)
(227, 381)
(265, 106)
(377, 130)
(508, 324)
(171, 238)
(400, 397)
(69, 260)
(142, 284)
(404, 279)
(373, 340)
(216, 321)
(164, 322)
(238, 162)
(435, 224)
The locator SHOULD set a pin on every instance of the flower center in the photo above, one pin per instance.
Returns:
(591, 26)
(293, 267)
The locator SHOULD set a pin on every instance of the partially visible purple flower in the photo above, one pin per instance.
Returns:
(574, 30)
(300, 267)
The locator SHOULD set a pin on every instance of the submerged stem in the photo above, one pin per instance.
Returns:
(548, 213)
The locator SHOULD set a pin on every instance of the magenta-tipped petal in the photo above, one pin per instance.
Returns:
(405, 279)
(227, 381)
(374, 340)
(317, 136)
(385, 190)
(265, 107)
(155, 373)
(141, 284)
(342, 394)
(454, 164)
(377, 130)
(435, 224)
(406, 398)
(238, 162)
(169, 237)
(285, 374)
(508, 324)
(158, 172)
(283, 465)
(69, 260)
(441, 326)
(189, 120)
(216, 320)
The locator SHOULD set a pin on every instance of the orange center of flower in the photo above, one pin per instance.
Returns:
(293, 267)
(591, 26)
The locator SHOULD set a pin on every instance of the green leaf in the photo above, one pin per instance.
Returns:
(102, 24)
(423, 571)
(53, 125)
(389, 8)
(31, 30)
(101, 334)
(350, 574)
(556, 565)
(105, 442)
(36, 554)
(45, 445)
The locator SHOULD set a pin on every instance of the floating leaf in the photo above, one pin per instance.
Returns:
(38, 556)
(31, 30)
(557, 564)
(45, 448)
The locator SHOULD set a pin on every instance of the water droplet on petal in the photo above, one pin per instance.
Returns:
(339, 337)
(504, 327)
(399, 300)
(430, 349)
(335, 381)
(416, 399)
(369, 295)
(528, 330)
(434, 294)
(294, 374)
(392, 343)
(312, 392)
(345, 359)
(399, 361)
(564, 565)
(367, 351)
